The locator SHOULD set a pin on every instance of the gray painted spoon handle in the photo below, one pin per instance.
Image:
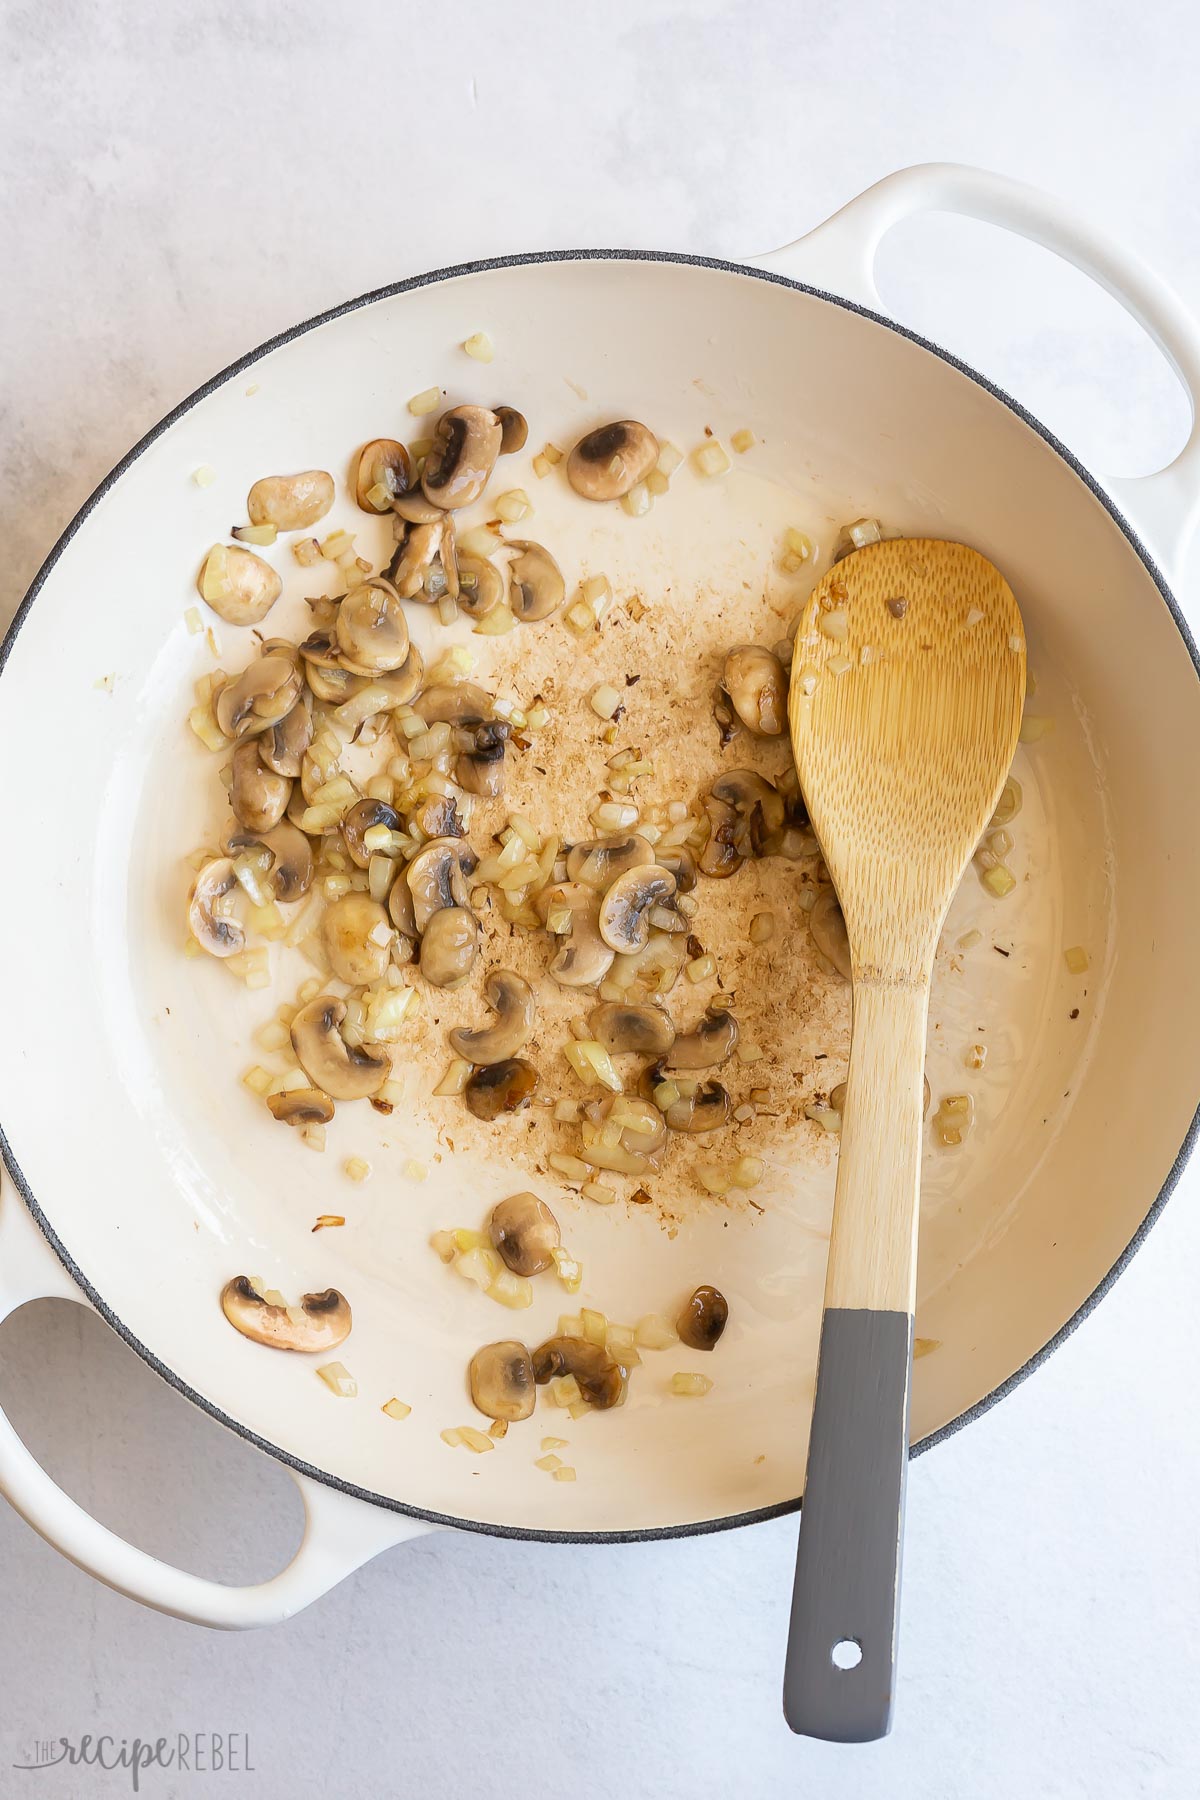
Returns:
(841, 1659)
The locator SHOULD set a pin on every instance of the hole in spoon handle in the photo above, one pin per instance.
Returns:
(841, 1659)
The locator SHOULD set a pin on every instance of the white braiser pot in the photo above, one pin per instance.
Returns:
(161, 1181)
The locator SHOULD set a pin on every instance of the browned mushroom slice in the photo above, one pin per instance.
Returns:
(625, 908)
(511, 999)
(364, 816)
(758, 805)
(465, 446)
(382, 474)
(535, 582)
(414, 559)
(720, 856)
(301, 1106)
(480, 767)
(290, 502)
(263, 694)
(601, 1379)
(624, 1028)
(437, 877)
(449, 946)
(501, 1087)
(292, 868)
(240, 587)
(453, 703)
(707, 1109)
(711, 1043)
(583, 957)
(282, 746)
(372, 632)
(400, 909)
(703, 1319)
(257, 795)
(320, 1322)
(501, 1380)
(514, 429)
(480, 585)
(219, 935)
(599, 861)
(681, 863)
(344, 1071)
(828, 928)
(437, 816)
(757, 686)
(358, 939)
(525, 1233)
(610, 460)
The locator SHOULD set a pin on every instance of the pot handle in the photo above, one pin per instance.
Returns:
(839, 256)
(340, 1532)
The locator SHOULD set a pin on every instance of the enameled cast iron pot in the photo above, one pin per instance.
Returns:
(161, 1182)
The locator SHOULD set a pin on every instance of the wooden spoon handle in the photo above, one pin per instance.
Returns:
(839, 1678)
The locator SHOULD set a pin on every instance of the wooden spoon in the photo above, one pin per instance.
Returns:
(908, 681)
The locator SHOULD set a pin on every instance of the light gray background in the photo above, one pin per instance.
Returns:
(177, 182)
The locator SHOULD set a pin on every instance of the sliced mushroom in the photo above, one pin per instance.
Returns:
(449, 945)
(828, 928)
(480, 585)
(535, 582)
(339, 1069)
(437, 877)
(709, 1045)
(501, 1087)
(757, 686)
(599, 862)
(264, 693)
(583, 957)
(400, 909)
(625, 907)
(681, 863)
(283, 744)
(480, 769)
(323, 670)
(290, 502)
(402, 685)
(414, 509)
(453, 703)
(511, 999)
(362, 817)
(325, 1319)
(292, 869)
(437, 816)
(610, 460)
(706, 1110)
(514, 429)
(758, 805)
(703, 1319)
(640, 1138)
(301, 1106)
(213, 932)
(525, 1233)
(358, 939)
(501, 1379)
(627, 1029)
(257, 795)
(247, 588)
(466, 444)
(601, 1379)
(372, 632)
(720, 857)
(414, 559)
(384, 472)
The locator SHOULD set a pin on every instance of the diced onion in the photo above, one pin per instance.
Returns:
(512, 506)
(1076, 959)
(711, 459)
(693, 1385)
(204, 476)
(425, 402)
(566, 1473)
(638, 501)
(338, 1380)
(395, 1409)
(604, 701)
(357, 1168)
(479, 345)
(742, 441)
(653, 1332)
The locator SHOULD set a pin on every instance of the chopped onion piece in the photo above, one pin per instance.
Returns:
(479, 345)
(454, 1080)
(511, 1290)
(742, 441)
(395, 1409)
(549, 1462)
(1076, 959)
(653, 1332)
(701, 968)
(338, 1380)
(565, 1390)
(711, 459)
(694, 1385)
(604, 701)
(834, 624)
(999, 881)
(570, 1166)
(204, 476)
(258, 1080)
(638, 501)
(1034, 729)
(594, 1190)
(566, 1473)
(669, 459)
(512, 506)
(568, 1270)
(357, 1168)
(425, 402)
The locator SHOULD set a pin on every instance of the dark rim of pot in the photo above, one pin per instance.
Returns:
(756, 1514)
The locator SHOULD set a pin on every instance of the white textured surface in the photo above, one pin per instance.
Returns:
(177, 184)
